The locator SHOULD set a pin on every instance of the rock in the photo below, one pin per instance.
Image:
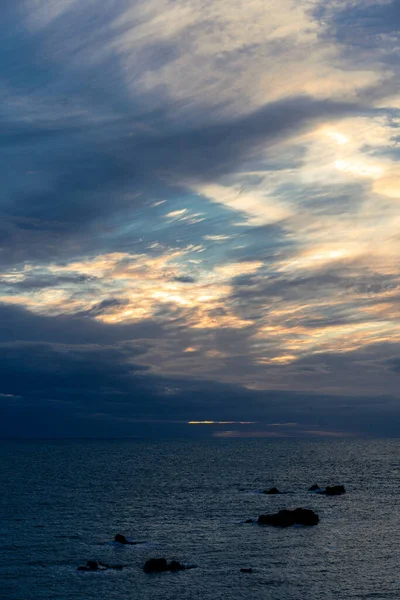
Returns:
(155, 565)
(94, 565)
(121, 539)
(313, 488)
(159, 565)
(174, 565)
(272, 490)
(249, 521)
(286, 518)
(91, 565)
(246, 570)
(334, 490)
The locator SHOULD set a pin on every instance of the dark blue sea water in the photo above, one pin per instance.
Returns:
(62, 501)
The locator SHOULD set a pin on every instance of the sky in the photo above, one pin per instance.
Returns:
(200, 218)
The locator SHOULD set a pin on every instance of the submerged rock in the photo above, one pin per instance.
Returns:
(249, 521)
(286, 518)
(159, 565)
(314, 487)
(272, 490)
(246, 570)
(91, 565)
(121, 539)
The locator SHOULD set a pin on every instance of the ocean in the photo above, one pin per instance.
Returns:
(62, 502)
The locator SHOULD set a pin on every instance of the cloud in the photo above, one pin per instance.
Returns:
(101, 155)
(66, 388)
(201, 207)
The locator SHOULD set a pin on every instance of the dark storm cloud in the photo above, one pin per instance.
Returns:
(59, 389)
(70, 380)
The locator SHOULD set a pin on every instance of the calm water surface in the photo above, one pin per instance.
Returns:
(63, 501)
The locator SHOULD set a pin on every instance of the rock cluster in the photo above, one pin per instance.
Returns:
(283, 518)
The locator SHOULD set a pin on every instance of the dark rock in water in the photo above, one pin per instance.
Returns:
(94, 565)
(272, 490)
(121, 539)
(249, 521)
(313, 487)
(286, 518)
(159, 565)
(334, 490)
(155, 565)
(246, 570)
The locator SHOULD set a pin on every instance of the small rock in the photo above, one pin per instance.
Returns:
(159, 565)
(120, 538)
(246, 570)
(249, 521)
(313, 487)
(155, 565)
(272, 490)
(94, 565)
(174, 565)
